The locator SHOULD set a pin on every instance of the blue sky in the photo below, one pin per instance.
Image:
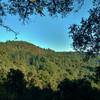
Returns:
(46, 32)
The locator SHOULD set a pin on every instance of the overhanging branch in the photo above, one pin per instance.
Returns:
(10, 29)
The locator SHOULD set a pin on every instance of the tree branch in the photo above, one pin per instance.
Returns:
(9, 29)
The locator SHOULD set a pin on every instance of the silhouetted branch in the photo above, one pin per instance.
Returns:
(9, 29)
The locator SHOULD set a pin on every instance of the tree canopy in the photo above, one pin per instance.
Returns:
(86, 36)
(27, 72)
(26, 8)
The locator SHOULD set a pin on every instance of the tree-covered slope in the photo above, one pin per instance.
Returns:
(44, 68)
(46, 63)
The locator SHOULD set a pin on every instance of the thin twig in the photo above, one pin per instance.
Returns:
(10, 29)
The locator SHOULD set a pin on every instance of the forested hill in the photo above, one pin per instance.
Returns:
(45, 67)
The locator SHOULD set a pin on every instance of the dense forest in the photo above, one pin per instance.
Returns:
(28, 72)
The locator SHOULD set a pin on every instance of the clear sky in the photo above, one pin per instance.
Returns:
(46, 32)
